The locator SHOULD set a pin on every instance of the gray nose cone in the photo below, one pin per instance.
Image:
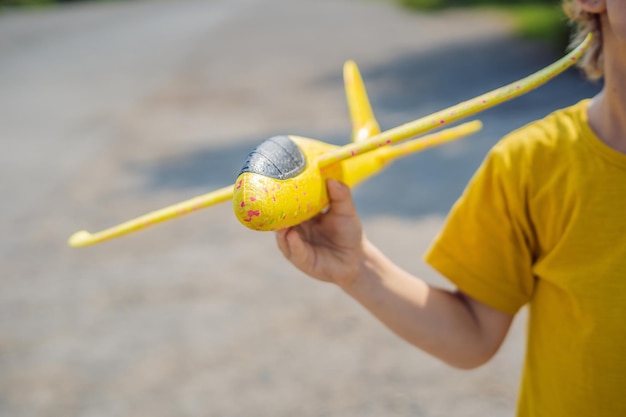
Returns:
(278, 157)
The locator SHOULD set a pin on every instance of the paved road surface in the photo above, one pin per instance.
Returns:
(110, 110)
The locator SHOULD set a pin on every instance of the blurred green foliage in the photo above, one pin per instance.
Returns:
(534, 19)
(24, 3)
(30, 4)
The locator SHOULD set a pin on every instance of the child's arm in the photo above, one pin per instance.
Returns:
(449, 325)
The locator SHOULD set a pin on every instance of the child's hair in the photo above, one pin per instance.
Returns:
(585, 23)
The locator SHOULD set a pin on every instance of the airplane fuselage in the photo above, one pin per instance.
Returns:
(281, 184)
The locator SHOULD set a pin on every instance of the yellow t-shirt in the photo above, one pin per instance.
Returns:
(543, 223)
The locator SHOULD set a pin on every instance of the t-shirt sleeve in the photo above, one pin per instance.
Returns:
(486, 245)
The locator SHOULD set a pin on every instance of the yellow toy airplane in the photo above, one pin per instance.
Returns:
(283, 180)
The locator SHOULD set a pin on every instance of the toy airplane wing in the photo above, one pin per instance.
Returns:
(283, 180)
(84, 238)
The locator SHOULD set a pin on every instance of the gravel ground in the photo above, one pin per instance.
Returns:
(110, 110)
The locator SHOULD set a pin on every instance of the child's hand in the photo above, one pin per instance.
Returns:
(328, 247)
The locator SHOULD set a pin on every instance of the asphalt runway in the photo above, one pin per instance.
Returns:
(113, 109)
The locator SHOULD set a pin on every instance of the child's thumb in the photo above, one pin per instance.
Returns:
(340, 198)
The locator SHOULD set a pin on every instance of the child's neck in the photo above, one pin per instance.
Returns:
(607, 117)
(607, 112)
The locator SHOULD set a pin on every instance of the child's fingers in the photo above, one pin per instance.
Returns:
(292, 246)
(281, 241)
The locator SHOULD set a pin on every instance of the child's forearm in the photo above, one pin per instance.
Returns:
(443, 323)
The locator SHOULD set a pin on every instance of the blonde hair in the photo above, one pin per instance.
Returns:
(585, 23)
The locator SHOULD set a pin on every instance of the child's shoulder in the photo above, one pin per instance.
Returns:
(551, 137)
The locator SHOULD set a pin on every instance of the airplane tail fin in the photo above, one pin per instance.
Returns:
(364, 124)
